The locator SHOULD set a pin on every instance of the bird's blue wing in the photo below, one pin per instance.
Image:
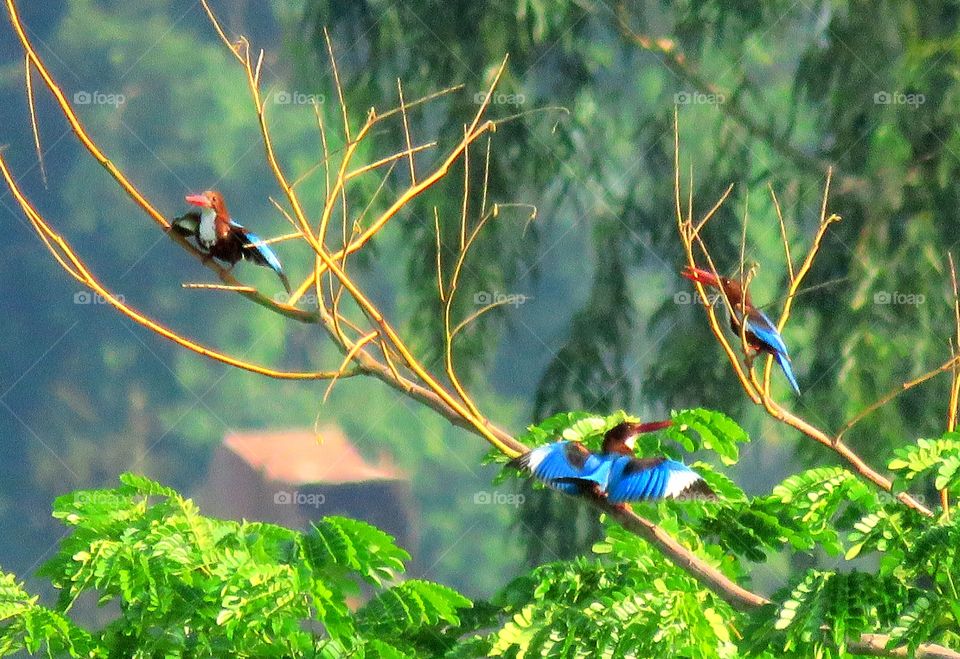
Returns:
(567, 466)
(653, 479)
(257, 245)
(764, 329)
(258, 251)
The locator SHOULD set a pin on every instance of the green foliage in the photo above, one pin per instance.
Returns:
(937, 457)
(718, 433)
(629, 607)
(415, 615)
(824, 610)
(188, 584)
(183, 583)
(26, 625)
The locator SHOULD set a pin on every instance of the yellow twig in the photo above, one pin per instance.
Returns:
(28, 81)
(783, 233)
(825, 223)
(357, 347)
(409, 151)
(476, 314)
(406, 133)
(219, 287)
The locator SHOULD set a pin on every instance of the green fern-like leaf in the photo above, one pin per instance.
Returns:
(356, 546)
(26, 626)
(929, 457)
(406, 610)
(713, 430)
(813, 499)
(878, 530)
(917, 623)
(824, 610)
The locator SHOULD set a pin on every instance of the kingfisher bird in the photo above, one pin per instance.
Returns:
(761, 333)
(222, 238)
(568, 466)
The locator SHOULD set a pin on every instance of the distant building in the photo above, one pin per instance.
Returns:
(291, 477)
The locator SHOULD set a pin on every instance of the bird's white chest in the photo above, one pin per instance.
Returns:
(207, 231)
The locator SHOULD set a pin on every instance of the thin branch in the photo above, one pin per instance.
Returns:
(28, 82)
(476, 314)
(825, 223)
(436, 228)
(783, 233)
(408, 152)
(336, 80)
(406, 133)
(875, 645)
(218, 287)
(349, 357)
(893, 393)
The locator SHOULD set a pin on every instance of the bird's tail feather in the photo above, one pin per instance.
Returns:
(286, 282)
(784, 362)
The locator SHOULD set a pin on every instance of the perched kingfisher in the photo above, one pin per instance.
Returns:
(571, 468)
(222, 238)
(760, 331)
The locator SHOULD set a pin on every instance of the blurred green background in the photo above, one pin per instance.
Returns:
(768, 95)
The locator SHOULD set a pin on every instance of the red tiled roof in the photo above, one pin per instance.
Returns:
(303, 457)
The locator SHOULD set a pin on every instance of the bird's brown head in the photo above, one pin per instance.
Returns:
(622, 438)
(209, 199)
(730, 286)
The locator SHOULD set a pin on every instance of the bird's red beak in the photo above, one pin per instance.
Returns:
(652, 426)
(700, 276)
(198, 200)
